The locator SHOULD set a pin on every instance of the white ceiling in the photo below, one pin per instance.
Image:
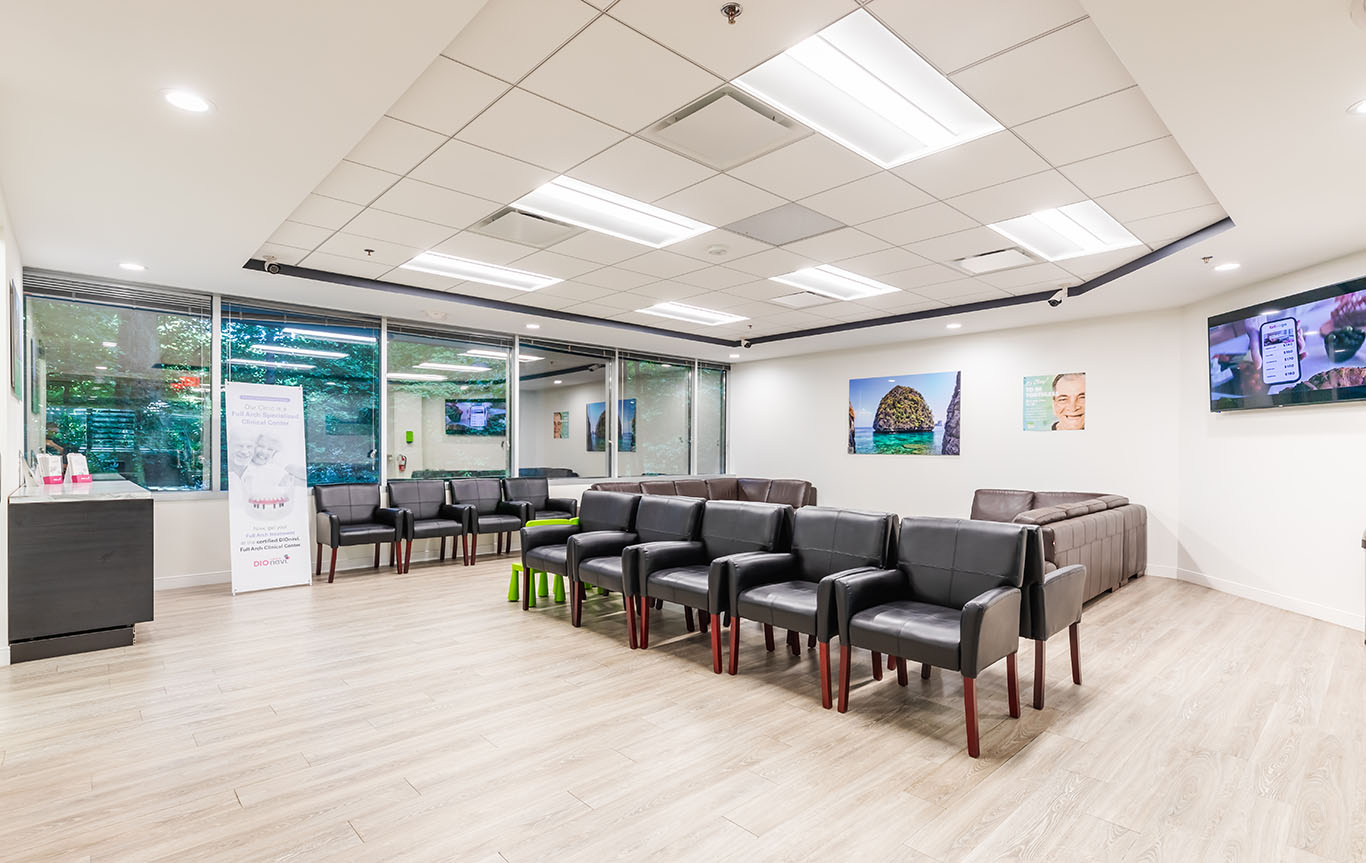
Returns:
(337, 131)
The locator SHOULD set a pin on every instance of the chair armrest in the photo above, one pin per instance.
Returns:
(461, 512)
(753, 568)
(1056, 604)
(827, 616)
(546, 534)
(863, 590)
(719, 590)
(397, 517)
(990, 629)
(520, 508)
(329, 529)
(563, 504)
(597, 543)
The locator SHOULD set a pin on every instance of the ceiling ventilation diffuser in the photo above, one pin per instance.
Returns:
(802, 300)
(525, 228)
(724, 129)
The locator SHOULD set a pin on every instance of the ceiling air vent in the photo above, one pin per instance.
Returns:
(802, 300)
(524, 228)
(724, 129)
(990, 262)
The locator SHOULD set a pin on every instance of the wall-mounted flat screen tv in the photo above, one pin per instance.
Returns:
(1298, 350)
(479, 418)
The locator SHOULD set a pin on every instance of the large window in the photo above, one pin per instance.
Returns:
(563, 426)
(711, 420)
(127, 387)
(656, 417)
(448, 406)
(336, 361)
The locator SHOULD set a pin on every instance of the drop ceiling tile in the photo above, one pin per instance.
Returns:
(891, 304)
(1158, 231)
(413, 278)
(872, 197)
(395, 146)
(774, 262)
(359, 184)
(490, 292)
(695, 30)
(489, 250)
(347, 266)
(784, 224)
(286, 255)
(589, 75)
(1090, 266)
(1048, 275)
(547, 298)
(952, 35)
(508, 38)
(578, 291)
(961, 291)
(398, 229)
(984, 162)
(763, 289)
(623, 301)
(845, 312)
(323, 212)
(1109, 123)
(713, 278)
(1064, 68)
(1169, 196)
(658, 292)
(447, 96)
(805, 167)
(720, 200)
(481, 173)
(299, 236)
(641, 170)
(735, 246)
(880, 263)
(1018, 197)
(430, 203)
(526, 127)
(380, 251)
(916, 278)
(662, 264)
(552, 264)
(602, 248)
(964, 244)
(1139, 165)
(837, 245)
(921, 223)
(616, 278)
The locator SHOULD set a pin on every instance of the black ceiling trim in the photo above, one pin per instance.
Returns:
(1153, 257)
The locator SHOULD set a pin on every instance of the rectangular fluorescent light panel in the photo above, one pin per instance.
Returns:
(857, 83)
(452, 367)
(835, 283)
(476, 271)
(330, 335)
(569, 200)
(298, 352)
(692, 314)
(414, 376)
(271, 364)
(993, 261)
(1067, 232)
(492, 354)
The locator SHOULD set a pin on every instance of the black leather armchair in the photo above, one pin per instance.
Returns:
(606, 519)
(433, 518)
(795, 590)
(697, 574)
(487, 512)
(609, 562)
(350, 514)
(535, 490)
(1051, 602)
(953, 600)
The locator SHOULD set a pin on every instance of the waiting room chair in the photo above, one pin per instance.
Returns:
(1051, 602)
(433, 518)
(487, 512)
(536, 491)
(605, 522)
(350, 514)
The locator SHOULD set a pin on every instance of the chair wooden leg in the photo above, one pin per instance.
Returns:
(768, 637)
(734, 645)
(442, 555)
(1072, 638)
(715, 643)
(391, 554)
(794, 642)
(319, 570)
(377, 545)
(630, 603)
(702, 621)
(1013, 686)
(877, 666)
(474, 550)
(824, 657)
(575, 602)
(332, 569)
(408, 557)
(844, 677)
(1040, 661)
(891, 662)
(970, 714)
(464, 548)
(925, 671)
(527, 587)
(901, 676)
(646, 604)
(659, 605)
(810, 641)
(687, 617)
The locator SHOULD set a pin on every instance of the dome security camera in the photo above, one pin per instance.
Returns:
(272, 265)
(1056, 299)
(746, 343)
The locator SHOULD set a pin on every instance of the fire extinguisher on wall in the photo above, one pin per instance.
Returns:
(402, 463)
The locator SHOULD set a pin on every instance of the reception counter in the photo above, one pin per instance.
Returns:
(80, 567)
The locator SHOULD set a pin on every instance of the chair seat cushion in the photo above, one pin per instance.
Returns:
(497, 523)
(912, 630)
(685, 585)
(604, 572)
(787, 604)
(547, 558)
(427, 527)
(551, 513)
(366, 533)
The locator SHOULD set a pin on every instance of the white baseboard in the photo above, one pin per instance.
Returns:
(191, 579)
(4, 656)
(1277, 600)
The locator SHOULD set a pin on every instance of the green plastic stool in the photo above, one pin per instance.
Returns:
(543, 586)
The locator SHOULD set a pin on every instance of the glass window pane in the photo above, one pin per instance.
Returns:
(336, 363)
(448, 408)
(128, 388)
(562, 426)
(711, 420)
(656, 413)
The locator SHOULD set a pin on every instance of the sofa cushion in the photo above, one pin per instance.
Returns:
(604, 572)
(1044, 515)
(1085, 507)
(792, 492)
(787, 604)
(1000, 504)
(1061, 498)
(624, 487)
(685, 585)
(657, 486)
(723, 488)
(918, 631)
(691, 488)
(752, 489)
(1114, 501)
(425, 528)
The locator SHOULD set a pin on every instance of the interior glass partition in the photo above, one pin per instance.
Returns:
(563, 425)
(711, 420)
(656, 417)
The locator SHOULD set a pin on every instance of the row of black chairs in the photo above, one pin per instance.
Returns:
(952, 593)
(353, 514)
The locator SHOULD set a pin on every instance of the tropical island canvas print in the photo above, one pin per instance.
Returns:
(906, 415)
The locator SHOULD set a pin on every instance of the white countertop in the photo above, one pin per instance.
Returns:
(108, 489)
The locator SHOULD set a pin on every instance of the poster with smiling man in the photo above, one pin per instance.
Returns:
(1055, 402)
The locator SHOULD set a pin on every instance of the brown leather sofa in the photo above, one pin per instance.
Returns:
(1103, 532)
(795, 493)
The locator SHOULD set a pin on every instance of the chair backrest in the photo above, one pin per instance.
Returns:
(422, 497)
(1062, 498)
(691, 488)
(533, 489)
(484, 494)
(723, 488)
(627, 487)
(730, 527)
(752, 489)
(351, 503)
(661, 518)
(828, 540)
(793, 492)
(948, 561)
(607, 510)
(657, 486)
(1000, 504)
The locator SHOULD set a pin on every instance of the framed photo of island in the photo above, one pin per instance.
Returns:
(906, 414)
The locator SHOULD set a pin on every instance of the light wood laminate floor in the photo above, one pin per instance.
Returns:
(424, 717)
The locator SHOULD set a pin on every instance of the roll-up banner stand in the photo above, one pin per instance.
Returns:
(267, 475)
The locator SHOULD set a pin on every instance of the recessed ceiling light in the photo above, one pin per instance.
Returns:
(414, 376)
(330, 335)
(833, 282)
(110, 344)
(271, 364)
(993, 261)
(533, 326)
(477, 271)
(692, 314)
(559, 382)
(298, 352)
(1225, 267)
(187, 101)
(131, 266)
(953, 326)
(101, 368)
(858, 84)
(1067, 232)
(452, 367)
(1358, 108)
(494, 354)
(735, 356)
(568, 200)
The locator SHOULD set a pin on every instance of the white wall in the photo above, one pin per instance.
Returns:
(539, 449)
(12, 428)
(432, 448)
